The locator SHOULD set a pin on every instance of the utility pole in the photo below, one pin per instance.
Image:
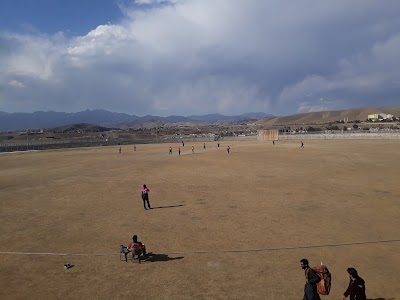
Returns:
(27, 139)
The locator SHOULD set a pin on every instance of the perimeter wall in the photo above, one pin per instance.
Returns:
(342, 136)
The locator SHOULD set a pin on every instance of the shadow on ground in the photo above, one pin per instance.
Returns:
(156, 257)
(168, 206)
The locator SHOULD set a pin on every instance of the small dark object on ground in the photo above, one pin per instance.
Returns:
(68, 266)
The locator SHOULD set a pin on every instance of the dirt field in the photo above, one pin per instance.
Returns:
(270, 204)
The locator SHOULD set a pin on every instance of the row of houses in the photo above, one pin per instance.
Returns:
(380, 117)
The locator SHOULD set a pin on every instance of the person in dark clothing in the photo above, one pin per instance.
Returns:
(145, 196)
(356, 288)
(312, 278)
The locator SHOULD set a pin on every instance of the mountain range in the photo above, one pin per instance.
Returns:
(322, 117)
(49, 119)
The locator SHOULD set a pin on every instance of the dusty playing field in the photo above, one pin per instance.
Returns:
(271, 202)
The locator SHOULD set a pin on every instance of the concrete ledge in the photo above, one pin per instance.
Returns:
(343, 136)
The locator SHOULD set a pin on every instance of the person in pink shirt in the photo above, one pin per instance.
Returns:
(145, 196)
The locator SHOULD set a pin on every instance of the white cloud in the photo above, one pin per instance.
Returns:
(16, 83)
(371, 71)
(209, 56)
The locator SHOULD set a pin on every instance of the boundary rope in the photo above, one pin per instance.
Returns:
(207, 252)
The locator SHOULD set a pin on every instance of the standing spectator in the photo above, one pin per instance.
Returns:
(302, 144)
(170, 150)
(356, 288)
(273, 142)
(312, 278)
(145, 196)
(218, 145)
(204, 146)
(120, 150)
(179, 151)
(192, 149)
(228, 149)
(183, 144)
(134, 147)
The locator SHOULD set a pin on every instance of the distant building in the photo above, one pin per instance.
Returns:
(389, 116)
(373, 117)
(380, 117)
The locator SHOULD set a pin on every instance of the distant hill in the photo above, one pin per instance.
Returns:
(100, 117)
(49, 119)
(84, 127)
(330, 116)
(218, 117)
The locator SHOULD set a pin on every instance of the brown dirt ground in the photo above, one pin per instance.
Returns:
(258, 197)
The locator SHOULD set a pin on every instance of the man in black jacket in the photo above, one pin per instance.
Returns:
(356, 288)
(312, 278)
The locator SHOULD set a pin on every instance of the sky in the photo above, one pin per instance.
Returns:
(186, 57)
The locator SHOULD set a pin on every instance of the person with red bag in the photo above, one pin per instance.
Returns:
(312, 279)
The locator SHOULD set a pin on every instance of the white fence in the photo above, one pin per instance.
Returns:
(343, 136)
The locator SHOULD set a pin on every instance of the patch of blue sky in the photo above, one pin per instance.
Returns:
(73, 18)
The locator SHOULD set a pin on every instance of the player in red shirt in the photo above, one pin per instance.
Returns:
(145, 196)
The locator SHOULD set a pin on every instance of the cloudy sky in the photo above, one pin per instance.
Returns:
(183, 57)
